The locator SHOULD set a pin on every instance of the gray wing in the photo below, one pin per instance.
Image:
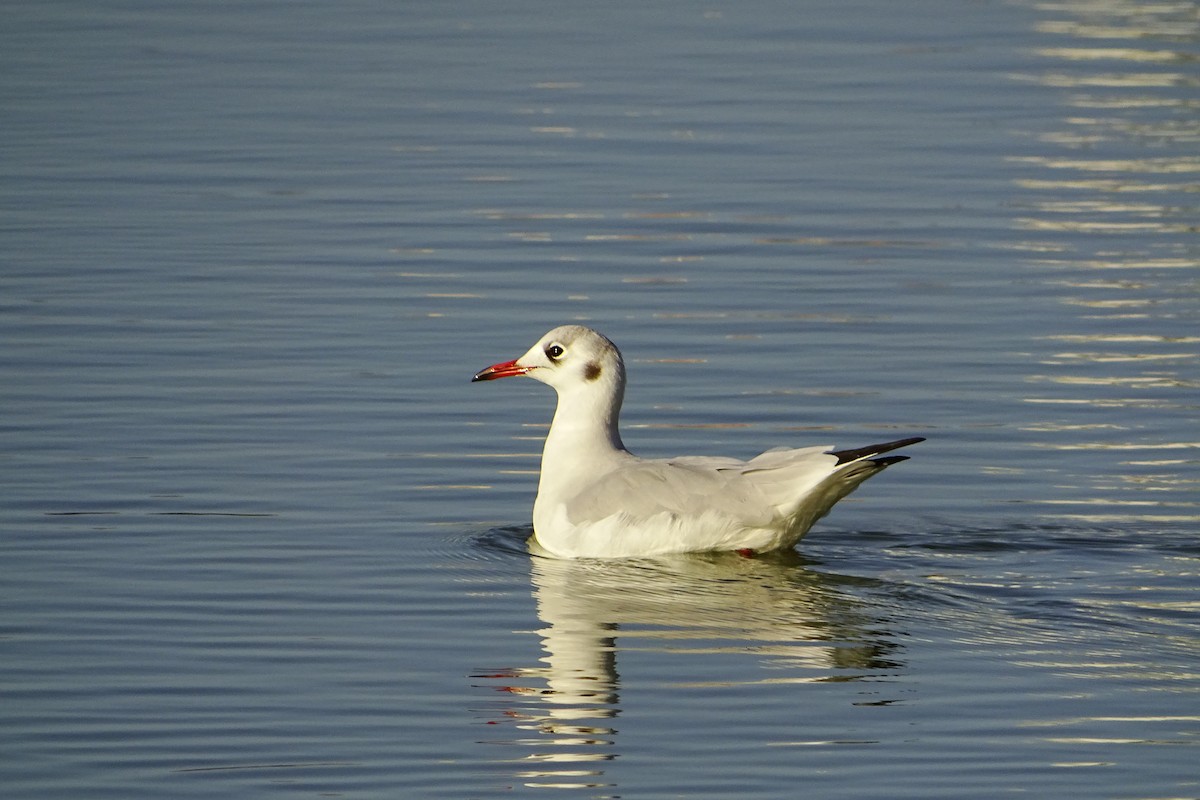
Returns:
(681, 487)
(754, 493)
(782, 490)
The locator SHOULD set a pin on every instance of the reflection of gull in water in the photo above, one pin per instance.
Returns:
(798, 623)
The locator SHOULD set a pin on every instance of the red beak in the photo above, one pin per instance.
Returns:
(506, 370)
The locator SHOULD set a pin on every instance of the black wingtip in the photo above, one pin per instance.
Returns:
(846, 456)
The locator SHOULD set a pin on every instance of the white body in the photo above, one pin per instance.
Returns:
(596, 499)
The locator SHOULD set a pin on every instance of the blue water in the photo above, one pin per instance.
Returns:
(259, 536)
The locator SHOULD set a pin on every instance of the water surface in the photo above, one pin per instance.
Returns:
(261, 537)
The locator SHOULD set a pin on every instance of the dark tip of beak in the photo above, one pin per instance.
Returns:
(506, 370)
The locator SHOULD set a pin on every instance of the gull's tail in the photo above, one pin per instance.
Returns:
(853, 467)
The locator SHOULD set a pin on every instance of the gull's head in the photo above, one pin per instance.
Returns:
(568, 358)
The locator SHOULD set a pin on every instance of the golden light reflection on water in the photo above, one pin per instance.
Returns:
(1121, 20)
(1149, 165)
(1100, 185)
(1111, 194)
(1109, 53)
(1141, 80)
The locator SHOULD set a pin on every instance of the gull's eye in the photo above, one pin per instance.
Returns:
(554, 352)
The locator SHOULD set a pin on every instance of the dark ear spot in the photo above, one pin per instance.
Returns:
(591, 370)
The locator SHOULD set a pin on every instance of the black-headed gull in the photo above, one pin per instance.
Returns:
(596, 499)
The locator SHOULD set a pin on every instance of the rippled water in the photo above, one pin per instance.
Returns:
(260, 537)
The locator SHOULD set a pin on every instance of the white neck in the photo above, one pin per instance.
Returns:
(584, 437)
(586, 420)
